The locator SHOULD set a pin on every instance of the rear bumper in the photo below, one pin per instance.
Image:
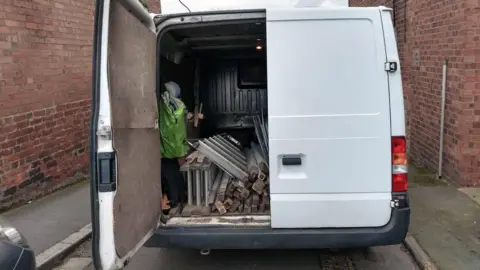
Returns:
(393, 232)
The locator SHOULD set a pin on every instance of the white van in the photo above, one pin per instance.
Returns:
(333, 93)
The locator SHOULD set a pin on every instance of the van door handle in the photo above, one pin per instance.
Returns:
(291, 161)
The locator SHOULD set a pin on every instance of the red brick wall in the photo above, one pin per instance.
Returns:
(429, 32)
(45, 88)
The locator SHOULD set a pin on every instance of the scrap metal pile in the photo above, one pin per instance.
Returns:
(242, 183)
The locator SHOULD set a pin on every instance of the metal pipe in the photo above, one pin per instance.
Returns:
(198, 188)
(189, 185)
(442, 117)
(206, 180)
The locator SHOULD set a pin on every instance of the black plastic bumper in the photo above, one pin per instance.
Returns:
(393, 232)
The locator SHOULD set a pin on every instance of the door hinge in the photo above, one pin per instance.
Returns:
(105, 133)
(391, 66)
(107, 173)
(395, 203)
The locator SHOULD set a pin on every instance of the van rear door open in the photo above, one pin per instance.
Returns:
(329, 118)
(125, 145)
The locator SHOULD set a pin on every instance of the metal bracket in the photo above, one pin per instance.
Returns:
(391, 66)
(394, 203)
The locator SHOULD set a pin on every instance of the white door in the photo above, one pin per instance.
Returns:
(329, 118)
(125, 145)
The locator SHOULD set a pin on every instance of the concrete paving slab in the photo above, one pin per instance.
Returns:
(446, 224)
(51, 219)
(75, 264)
(473, 193)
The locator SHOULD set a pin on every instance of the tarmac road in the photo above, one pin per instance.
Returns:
(377, 258)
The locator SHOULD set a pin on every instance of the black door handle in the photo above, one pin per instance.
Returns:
(291, 161)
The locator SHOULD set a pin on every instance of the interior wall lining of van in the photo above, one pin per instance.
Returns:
(227, 103)
(136, 141)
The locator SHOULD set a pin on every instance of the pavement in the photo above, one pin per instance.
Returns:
(51, 219)
(444, 225)
(445, 220)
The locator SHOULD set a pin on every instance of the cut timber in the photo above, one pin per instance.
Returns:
(245, 193)
(240, 207)
(228, 202)
(262, 163)
(252, 165)
(220, 207)
(214, 189)
(192, 157)
(259, 186)
(236, 203)
(223, 187)
(200, 158)
(249, 201)
(255, 200)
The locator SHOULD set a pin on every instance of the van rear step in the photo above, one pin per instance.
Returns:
(222, 221)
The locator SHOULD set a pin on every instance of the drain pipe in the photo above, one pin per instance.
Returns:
(442, 118)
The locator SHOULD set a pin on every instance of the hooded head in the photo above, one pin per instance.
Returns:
(173, 89)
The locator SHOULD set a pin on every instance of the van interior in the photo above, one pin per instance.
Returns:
(221, 71)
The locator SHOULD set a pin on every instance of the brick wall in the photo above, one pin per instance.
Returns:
(45, 89)
(428, 33)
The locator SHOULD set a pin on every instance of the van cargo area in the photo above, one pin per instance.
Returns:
(221, 71)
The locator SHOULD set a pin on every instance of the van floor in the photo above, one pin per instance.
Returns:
(191, 215)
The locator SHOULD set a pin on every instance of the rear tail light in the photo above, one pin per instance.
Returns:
(399, 164)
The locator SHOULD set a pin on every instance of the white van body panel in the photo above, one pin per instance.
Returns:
(397, 112)
(174, 6)
(328, 104)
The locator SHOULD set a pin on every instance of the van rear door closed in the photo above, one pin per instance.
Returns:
(329, 118)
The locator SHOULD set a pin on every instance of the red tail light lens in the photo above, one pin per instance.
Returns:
(399, 164)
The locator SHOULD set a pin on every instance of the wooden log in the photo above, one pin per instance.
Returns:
(213, 190)
(259, 186)
(252, 165)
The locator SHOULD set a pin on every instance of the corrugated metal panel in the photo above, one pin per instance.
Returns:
(224, 95)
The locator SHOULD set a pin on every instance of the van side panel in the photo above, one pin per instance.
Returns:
(397, 109)
(329, 108)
